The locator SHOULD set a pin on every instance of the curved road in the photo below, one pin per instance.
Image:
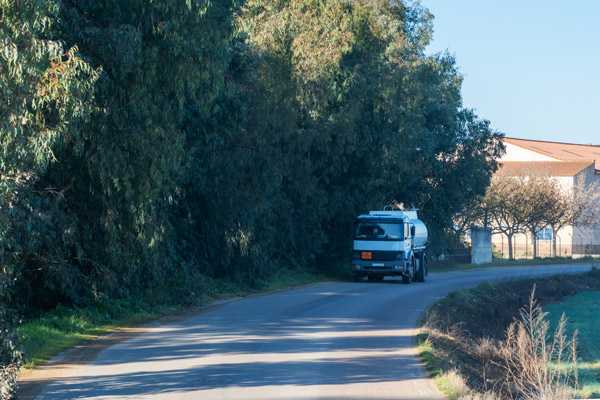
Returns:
(325, 341)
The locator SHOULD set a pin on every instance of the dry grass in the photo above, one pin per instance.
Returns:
(522, 364)
(539, 365)
(453, 384)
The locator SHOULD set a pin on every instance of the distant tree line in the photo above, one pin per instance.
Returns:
(529, 202)
(147, 145)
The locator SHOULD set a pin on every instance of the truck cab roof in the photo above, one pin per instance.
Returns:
(381, 218)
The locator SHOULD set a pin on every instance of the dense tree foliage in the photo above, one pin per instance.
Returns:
(112, 189)
(373, 118)
(45, 97)
(184, 140)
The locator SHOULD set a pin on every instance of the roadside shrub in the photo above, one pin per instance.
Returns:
(472, 359)
(539, 365)
(10, 351)
(10, 361)
(453, 385)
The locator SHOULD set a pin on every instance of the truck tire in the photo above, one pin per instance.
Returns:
(421, 270)
(407, 279)
(358, 278)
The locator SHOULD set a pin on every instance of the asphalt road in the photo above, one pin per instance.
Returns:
(325, 341)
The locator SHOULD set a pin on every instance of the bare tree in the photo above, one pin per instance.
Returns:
(504, 208)
(556, 208)
(586, 204)
(561, 214)
(530, 202)
(541, 194)
(574, 207)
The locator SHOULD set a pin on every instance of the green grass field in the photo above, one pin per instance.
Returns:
(583, 313)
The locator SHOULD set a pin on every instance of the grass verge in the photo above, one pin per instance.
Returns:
(448, 266)
(57, 330)
(441, 371)
(583, 313)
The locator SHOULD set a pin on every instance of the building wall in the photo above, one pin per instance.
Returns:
(586, 240)
(516, 153)
(570, 241)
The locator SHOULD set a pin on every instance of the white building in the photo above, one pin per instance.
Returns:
(572, 165)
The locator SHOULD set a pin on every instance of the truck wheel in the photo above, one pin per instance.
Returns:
(415, 268)
(371, 278)
(407, 279)
(421, 270)
(358, 278)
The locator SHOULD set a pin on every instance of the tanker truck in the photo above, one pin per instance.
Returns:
(391, 242)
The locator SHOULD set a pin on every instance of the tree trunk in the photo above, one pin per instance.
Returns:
(510, 249)
(553, 242)
(534, 243)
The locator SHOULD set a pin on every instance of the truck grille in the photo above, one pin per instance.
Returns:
(383, 255)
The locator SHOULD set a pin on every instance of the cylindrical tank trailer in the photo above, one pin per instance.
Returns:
(391, 242)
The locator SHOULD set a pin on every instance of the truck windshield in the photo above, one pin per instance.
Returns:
(371, 230)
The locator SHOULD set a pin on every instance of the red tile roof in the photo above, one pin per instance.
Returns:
(548, 168)
(560, 151)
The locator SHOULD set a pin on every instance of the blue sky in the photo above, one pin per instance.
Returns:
(531, 67)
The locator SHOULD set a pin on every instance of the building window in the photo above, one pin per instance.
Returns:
(544, 235)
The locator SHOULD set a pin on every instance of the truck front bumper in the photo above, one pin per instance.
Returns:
(387, 268)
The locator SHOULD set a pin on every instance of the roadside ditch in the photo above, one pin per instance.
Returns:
(463, 338)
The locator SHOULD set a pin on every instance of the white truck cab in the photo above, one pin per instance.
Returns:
(391, 242)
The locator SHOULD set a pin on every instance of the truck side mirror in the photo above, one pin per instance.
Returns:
(412, 231)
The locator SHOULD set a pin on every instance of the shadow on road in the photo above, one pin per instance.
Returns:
(249, 345)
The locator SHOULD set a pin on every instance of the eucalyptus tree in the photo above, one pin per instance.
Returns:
(45, 94)
(377, 119)
(227, 142)
(163, 64)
